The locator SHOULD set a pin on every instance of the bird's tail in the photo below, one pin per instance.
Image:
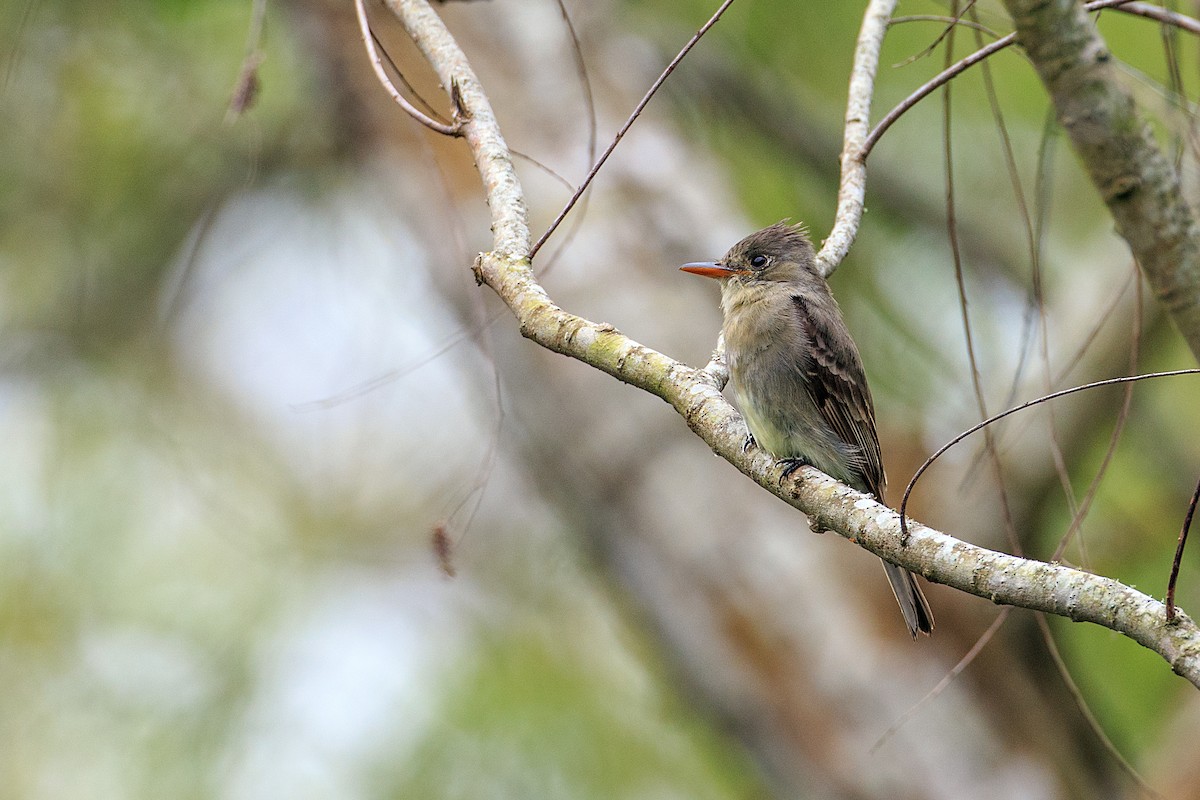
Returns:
(913, 604)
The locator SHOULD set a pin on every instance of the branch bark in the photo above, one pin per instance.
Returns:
(695, 395)
(853, 187)
(1117, 148)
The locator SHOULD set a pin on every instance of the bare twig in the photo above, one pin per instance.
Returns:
(425, 104)
(929, 86)
(952, 23)
(637, 112)
(1032, 244)
(1183, 534)
(946, 680)
(377, 64)
(585, 83)
(1135, 344)
(993, 453)
(1157, 13)
(589, 102)
(966, 23)
(506, 200)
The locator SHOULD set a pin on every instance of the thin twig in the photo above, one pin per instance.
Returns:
(1029, 403)
(929, 86)
(1177, 95)
(589, 102)
(369, 385)
(1157, 13)
(637, 112)
(954, 672)
(993, 452)
(990, 445)
(364, 25)
(245, 91)
(1103, 318)
(1119, 151)
(429, 109)
(951, 25)
(544, 168)
(966, 23)
(505, 197)
(585, 83)
(1034, 252)
(1183, 534)
(1135, 343)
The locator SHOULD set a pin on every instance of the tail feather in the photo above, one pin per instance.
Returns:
(913, 605)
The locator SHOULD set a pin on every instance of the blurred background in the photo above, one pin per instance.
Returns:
(246, 378)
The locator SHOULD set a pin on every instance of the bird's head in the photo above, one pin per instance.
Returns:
(781, 252)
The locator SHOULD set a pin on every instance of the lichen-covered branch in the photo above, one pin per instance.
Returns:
(1135, 179)
(695, 395)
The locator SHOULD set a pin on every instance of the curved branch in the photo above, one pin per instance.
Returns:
(369, 42)
(1134, 178)
(927, 88)
(996, 576)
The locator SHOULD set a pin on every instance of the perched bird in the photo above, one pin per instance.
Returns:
(797, 374)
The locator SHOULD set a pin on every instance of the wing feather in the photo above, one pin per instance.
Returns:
(837, 385)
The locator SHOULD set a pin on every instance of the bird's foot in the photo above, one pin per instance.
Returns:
(790, 465)
(748, 443)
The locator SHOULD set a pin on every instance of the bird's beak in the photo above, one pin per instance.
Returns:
(711, 269)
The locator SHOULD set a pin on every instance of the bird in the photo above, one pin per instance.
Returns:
(797, 375)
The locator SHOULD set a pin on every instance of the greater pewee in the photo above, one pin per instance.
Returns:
(797, 374)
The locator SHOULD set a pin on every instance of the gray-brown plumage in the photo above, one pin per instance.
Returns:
(797, 374)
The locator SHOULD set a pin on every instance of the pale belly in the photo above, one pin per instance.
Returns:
(783, 418)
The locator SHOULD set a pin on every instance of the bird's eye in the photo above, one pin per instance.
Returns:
(758, 262)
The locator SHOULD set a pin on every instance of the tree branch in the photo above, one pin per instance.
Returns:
(1134, 178)
(506, 200)
(1001, 578)
(853, 187)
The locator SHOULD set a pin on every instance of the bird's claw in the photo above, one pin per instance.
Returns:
(790, 465)
(748, 443)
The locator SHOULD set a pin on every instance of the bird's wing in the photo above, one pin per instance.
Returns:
(838, 387)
